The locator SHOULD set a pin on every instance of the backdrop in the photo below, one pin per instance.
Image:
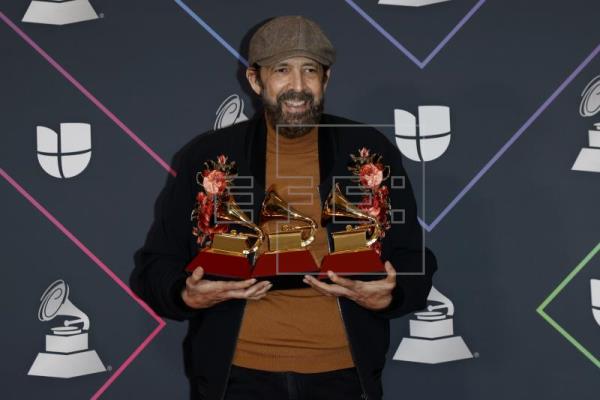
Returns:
(514, 228)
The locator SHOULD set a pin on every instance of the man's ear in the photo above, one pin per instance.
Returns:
(252, 74)
(327, 73)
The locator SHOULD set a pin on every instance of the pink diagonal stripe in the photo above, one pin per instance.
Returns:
(87, 94)
(102, 266)
(128, 361)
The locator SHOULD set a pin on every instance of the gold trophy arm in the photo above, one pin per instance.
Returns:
(311, 236)
(231, 212)
(338, 205)
(259, 238)
(274, 207)
(376, 233)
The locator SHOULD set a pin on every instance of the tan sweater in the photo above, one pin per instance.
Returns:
(297, 330)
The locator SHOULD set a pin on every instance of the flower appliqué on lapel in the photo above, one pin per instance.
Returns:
(215, 180)
(370, 173)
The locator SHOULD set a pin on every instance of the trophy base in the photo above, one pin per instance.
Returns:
(67, 344)
(53, 13)
(53, 365)
(361, 264)
(220, 266)
(588, 160)
(432, 351)
(596, 313)
(410, 3)
(285, 269)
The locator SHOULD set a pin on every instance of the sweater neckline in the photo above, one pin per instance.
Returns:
(277, 143)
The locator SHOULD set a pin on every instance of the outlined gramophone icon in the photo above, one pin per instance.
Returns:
(588, 159)
(432, 339)
(595, 291)
(231, 111)
(67, 354)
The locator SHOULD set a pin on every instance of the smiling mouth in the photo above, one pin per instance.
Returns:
(296, 104)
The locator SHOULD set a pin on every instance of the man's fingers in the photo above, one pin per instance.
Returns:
(264, 289)
(260, 293)
(234, 285)
(197, 275)
(318, 289)
(256, 296)
(345, 282)
(244, 293)
(334, 289)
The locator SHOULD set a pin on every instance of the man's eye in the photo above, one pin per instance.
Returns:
(281, 69)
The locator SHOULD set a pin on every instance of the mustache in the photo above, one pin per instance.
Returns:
(296, 96)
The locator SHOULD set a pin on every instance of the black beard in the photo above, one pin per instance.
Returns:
(276, 116)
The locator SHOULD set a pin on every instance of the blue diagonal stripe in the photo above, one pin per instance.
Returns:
(212, 32)
(401, 47)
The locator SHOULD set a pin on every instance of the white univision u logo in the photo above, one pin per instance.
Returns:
(424, 139)
(67, 153)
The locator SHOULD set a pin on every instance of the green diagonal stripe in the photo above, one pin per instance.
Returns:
(552, 296)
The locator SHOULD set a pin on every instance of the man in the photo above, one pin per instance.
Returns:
(325, 340)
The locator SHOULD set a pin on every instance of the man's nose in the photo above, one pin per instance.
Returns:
(297, 82)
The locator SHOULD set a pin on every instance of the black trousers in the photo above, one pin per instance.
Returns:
(251, 384)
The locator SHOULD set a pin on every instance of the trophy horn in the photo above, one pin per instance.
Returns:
(274, 207)
(337, 205)
(231, 212)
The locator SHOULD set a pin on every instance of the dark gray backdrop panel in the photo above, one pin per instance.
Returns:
(502, 249)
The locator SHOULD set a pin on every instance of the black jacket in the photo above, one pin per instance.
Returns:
(209, 345)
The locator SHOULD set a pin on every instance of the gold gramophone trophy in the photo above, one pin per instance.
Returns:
(226, 257)
(288, 257)
(352, 253)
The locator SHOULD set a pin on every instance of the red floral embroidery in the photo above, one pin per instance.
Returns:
(371, 173)
(215, 179)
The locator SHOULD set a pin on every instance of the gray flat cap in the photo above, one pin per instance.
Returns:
(287, 36)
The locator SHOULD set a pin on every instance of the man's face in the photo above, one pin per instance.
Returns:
(292, 92)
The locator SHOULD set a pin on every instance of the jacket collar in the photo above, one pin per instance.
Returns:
(256, 149)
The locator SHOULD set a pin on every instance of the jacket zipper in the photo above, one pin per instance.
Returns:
(352, 351)
(233, 354)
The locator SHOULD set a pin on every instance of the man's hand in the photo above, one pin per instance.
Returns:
(204, 293)
(373, 295)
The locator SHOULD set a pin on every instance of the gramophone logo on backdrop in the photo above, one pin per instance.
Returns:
(59, 12)
(67, 153)
(589, 157)
(425, 138)
(231, 111)
(595, 289)
(432, 339)
(410, 3)
(67, 354)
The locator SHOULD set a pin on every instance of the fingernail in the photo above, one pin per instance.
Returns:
(330, 273)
